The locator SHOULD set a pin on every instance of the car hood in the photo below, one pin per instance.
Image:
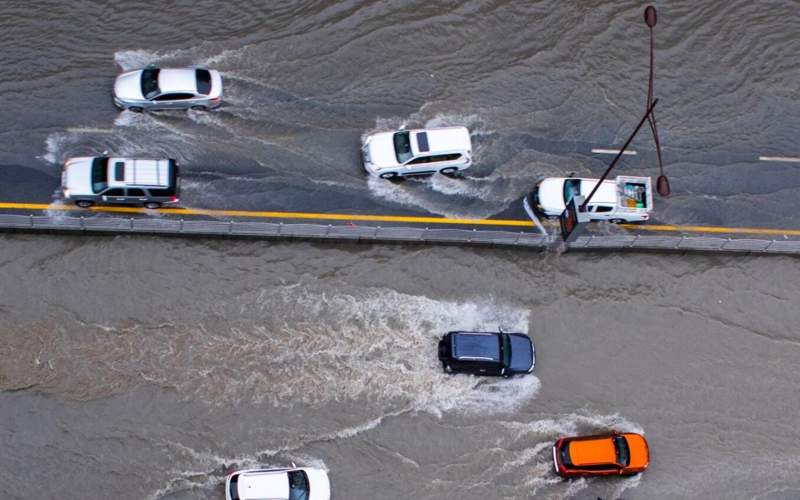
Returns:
(77, 176)
(522, 354)
(318, 484)
(129, 85)
(380, 148)
(551, 194)
(640, 454)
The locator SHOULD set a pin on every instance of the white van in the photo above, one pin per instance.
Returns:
(389, 155)
(625, 199)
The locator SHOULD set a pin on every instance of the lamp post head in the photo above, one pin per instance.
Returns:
(650, 17)
(662, 185)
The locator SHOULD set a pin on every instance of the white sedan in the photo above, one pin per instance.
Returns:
(296, 483)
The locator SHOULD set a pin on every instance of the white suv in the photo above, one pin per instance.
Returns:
(403, 153)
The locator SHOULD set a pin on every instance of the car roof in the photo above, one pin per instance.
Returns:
(476, 345)
(177, 80)
(138, 172)
(263, 484)
(592, 451)
(440, 140)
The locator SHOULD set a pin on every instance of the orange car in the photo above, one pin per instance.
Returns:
(607, 454)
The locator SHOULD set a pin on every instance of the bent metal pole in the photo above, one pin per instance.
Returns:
(619, 155)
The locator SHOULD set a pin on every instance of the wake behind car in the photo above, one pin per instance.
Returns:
(625, 199)
(403, 153)
(487, 353)
(89, 180)
(156, 88)
(615, 453)
(303, 483)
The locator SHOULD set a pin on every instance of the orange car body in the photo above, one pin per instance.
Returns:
(603, 455)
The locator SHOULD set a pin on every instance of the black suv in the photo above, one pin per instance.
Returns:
(487, 353)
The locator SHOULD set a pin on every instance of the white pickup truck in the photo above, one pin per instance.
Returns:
(625, 199)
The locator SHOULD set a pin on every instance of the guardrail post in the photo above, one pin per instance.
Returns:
(328, 231)
(82, 226)
(31, 219)
(131, 227)
(230, 227)
(280, 226)
(518, 237)
(422, 236)
(181, 226)
(375, 236)
(469, 240)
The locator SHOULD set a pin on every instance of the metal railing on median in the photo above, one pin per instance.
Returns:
(353, 232)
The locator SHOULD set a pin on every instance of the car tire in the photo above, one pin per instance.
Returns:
(152, 205)
(448, 171)
(617, 221)
(84, 203)
(199, 108)
(136, 109)
(390, 176)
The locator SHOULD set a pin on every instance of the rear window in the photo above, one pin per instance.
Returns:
(172, 190)
(99, 174)
(203, 81)
(150, 82)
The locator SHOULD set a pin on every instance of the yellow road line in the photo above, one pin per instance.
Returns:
(674, 228)
(280, 215)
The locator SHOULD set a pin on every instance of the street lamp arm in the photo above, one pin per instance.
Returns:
(619, 155)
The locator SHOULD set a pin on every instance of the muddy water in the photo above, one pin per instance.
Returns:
(147, 368)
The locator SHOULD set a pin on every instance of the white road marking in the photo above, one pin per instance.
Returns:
(779, 158)
(612, 151)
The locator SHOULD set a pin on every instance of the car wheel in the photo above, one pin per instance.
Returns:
(136, 109)
(448, 171)
(84, 203)
(152, 205)
(389, 175)
(618, 221)
(199, 108)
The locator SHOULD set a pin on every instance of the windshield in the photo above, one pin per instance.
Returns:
(623, 452)
(99, 174)
(150, 83)
(572, 187)
(298, 485)
(402, 147)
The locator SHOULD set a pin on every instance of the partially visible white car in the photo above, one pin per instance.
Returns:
(625, 199)
(296, 483)
(403, 153)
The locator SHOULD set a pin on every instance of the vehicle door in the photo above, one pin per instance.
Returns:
(135, 195)
(173, 100)
(601, 212)
(420, 165)
(114, 195)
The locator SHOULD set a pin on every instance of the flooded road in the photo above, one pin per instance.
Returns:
(147, 368)
(143, 368)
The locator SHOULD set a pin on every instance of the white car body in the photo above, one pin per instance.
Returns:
(273, 484)
(176, 89)
(425, 151)
(625, 199)
(88, 180)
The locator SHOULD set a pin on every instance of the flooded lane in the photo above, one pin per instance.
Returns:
(149, 367)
